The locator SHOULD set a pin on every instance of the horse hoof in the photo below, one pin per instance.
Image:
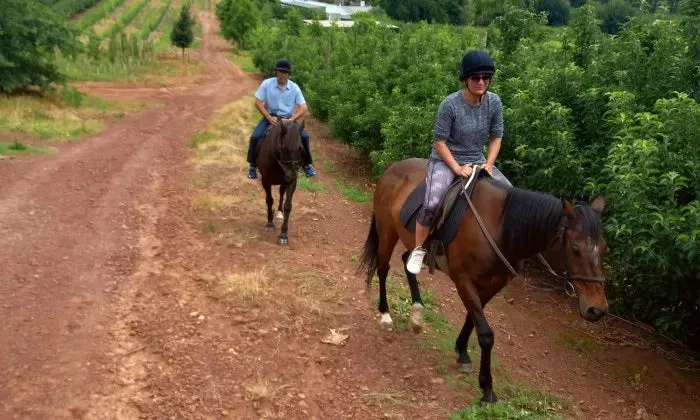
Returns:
(417, 318)
(488, 398)
(465, 367)
(283, 241)
(279, 215)
(386, 323)
(269, 228)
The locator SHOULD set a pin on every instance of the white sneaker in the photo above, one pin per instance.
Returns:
(415, 260)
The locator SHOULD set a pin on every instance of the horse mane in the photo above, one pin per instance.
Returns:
(529, 219)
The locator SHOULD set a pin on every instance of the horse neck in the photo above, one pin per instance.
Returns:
(529, 223)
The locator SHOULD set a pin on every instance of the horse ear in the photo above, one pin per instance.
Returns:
(568, 210)
(598, 204)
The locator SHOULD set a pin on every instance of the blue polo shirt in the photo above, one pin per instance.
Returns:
(278, 101)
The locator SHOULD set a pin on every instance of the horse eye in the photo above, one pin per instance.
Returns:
(576, 250)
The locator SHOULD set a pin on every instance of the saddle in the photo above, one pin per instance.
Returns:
(449, 215)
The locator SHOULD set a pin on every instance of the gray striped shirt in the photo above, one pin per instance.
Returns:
(466, 127)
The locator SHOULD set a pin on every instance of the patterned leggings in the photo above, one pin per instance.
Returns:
(439, 178)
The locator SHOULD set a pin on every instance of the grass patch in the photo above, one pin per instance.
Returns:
(399, 299)
(18, 148)
(328, 166)
(306, 184)
(516, 403)
(201, 138)
(84, 69)
(247, 286)
(56, 115)
(353, 192)
(575, 343)
(244, 62)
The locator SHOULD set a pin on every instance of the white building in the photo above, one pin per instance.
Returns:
(333, 12)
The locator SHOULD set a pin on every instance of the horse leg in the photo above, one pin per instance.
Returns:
(269, 227)
(417, 307)
(387, 242)
(283, 239)
(470, 299)
(464, 362)
(280, 215)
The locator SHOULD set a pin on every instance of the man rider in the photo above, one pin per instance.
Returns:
(276, 99)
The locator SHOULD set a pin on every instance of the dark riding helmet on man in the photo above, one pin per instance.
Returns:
(476, 61)
(283, 65)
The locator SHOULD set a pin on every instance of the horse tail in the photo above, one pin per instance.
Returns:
(370, 252)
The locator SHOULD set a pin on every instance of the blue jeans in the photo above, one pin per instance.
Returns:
(259, 133)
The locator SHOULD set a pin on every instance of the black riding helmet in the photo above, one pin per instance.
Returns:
(283, 65)
(476, 61)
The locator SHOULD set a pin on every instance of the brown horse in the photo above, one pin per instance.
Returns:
(279, 158)
(522, 224)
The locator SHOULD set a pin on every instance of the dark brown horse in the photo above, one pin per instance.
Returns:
(522, 224)
(279, 158)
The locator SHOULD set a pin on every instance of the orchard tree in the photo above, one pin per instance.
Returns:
(238, 18)
(182, 35)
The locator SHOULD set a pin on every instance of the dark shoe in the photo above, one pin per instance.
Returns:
(253, 173)
(309, 170)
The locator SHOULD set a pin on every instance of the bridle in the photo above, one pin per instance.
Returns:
(566, 273)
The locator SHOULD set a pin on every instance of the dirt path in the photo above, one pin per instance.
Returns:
(138, 283)
(69, 226)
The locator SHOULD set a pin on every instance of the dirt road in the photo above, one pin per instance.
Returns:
(137, 282)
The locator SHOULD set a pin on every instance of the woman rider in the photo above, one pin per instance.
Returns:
(465, 119)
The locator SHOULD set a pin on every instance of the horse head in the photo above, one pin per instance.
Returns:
(290, 151)
(578, 254)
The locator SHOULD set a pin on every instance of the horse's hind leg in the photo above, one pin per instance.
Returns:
(417, 307)
(387, 242)
(280, 215)
(269, 227)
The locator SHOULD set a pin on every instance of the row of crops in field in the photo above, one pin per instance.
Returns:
(121, 36)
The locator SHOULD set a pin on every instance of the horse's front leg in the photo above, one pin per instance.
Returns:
(470, 299)
(269, 227)
(283, 239)
(280, 214)
(464, 362)
(417, 307)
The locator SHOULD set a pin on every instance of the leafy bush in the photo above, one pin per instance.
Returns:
(30, 33)
(558, 11)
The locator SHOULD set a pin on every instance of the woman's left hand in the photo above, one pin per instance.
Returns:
(488, 167)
